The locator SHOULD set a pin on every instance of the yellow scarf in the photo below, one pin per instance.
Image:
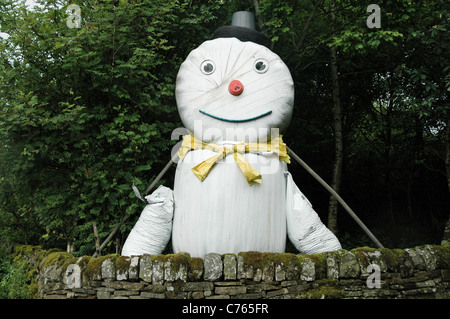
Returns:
(202, 170)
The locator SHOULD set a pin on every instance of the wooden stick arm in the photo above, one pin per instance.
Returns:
(336, 195)
(124, 218)
(160, 175)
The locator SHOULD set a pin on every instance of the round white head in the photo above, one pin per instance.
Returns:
(229, 90)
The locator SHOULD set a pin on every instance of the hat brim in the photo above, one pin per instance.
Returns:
(243, 34)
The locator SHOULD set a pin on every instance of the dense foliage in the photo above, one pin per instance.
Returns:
(14, 278)
(85, 112)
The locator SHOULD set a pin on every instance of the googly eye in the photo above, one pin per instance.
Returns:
(261, 65)
(208, 67)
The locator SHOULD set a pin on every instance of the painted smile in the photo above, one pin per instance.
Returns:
(235, 120)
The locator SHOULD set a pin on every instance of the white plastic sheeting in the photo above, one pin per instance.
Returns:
(223, 214)
(152, 231)
(198, 94)
(304, 227)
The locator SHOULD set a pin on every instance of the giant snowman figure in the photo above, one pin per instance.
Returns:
(232, 190)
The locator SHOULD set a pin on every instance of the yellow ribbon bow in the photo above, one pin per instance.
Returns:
(202, 170)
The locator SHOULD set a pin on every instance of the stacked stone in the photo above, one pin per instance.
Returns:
(360, 273)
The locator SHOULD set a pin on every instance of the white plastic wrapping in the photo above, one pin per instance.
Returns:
(304, 227)
(152, 231)
(202, 98)
(223, 214)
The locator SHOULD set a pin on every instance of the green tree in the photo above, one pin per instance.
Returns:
(405, 102)
(393, 100)
(87, 111)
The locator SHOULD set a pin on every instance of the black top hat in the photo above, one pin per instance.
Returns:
(243, 28)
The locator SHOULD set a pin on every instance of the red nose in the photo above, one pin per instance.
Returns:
(235, 87)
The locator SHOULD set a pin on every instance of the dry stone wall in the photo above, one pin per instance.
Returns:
(419, 272)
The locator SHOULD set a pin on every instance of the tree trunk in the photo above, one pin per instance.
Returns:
(446, 238)
(388, 167)
(386, 114)
(260, 18)
(118, 247)
(70, 239)
(96, 240)
(447, 157)
(70, 248)
(338, 139)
